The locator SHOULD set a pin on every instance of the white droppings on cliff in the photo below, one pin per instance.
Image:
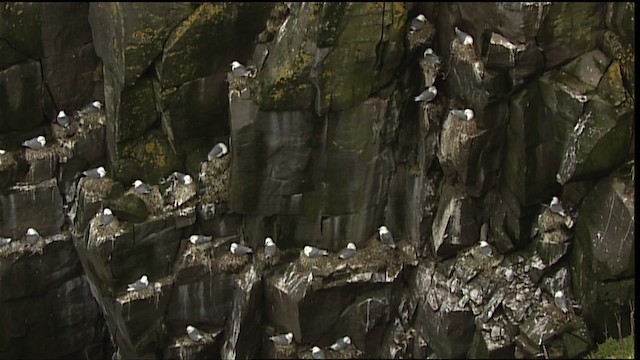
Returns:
(282, 30)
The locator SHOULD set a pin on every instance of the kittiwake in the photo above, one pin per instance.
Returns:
(427, 95)
(556, 206)
(341, 343)
(386, 237)
(466, 114)
(282, 339)
(194, 334)
(106, 217)
(96, 173)
(219, 150)
(62, 119)
(485, 248)
(348, 252)
(32, 236)
(4, 241)
(431, 57)
(139, 284)
(317, 353)
(199, 239)
(417, 23)
(269, 247)
(238, 249)
(140, 187)
(239, 69)
(463, 37)
(313, 252)
(94, 107)
(184, 179)
(2, 151)
(561, 301)
(36, 143)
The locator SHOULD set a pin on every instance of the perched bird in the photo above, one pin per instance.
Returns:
(269, 248)
(35, 143)
(139, 284)
(94, 107)
(463, 37)
(386, 237)
(237, 249)
(556, 206)
(106, 218)
(348, 252)
(313, 252)
(62, 119)
(4, 241)
(96, 173)
(317, 353)
(561, 301)
(2, 151)
(282, 339)
(32, 236)
(140, 187)
(184, 179)
(417, 23)
(194, 334)
(341, 343)
(431, 57)
(239, 69)
(466, 114)
(219, 150)
(485, 248)
(199, 239)
(427, 95)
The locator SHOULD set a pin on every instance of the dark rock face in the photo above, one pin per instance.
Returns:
(325, 145)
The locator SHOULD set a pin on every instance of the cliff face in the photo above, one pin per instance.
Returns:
(326, 144)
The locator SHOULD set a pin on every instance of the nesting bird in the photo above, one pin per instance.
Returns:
(417, 23)
(269, 247)
(238, 249)
(431, 57)
(139, 284)
(2, 151)
(239, 70)
(348, 252)
(62, 119)
(427, 95)
(219, 150)
(141, 188)
(4, 241)
(386, 237)
(35, 143)
(317, 353)
(194, 334)
(96, 173)
(466, 114)
(561, 301)
(463, 37)
(199, 239)
(313, 252)
(32, 236)
(556, 206)
(183, 179)
(94, 107)
(106, 217)
(341, 343)
(282, 339)
(485, 248)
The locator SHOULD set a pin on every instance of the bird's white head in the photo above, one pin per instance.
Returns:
(559, 294)
(433, 90)
(346, 340)
(61, 114)
(137, 183)
(469, 114)
(289, 336)
(235, 64)
(193, 238)
(224, 148)
(233, 247)
(107, 211)
(428, 51)
(383, 229)
(102, 172)
(484, 243)
(315, 350)
(32, 231)
(555, 201)
(188, 179)
(421, 18)
(468, 40)
(351, 246)
(307, 250)
(41, 140)
(268, 241)
(97, 104)
(2, 151)
(190, 329)
(144, 279)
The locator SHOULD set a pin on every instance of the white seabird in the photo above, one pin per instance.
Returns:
(239, 69)
(463, 37)
(106, 217)
(139, 284)
(317, 353)
(199, 239)
(417, 23)
(194, 334)
(219, 150)
(237, 249)
(140, 187)
(2, 151)
(96, 173)
(313, 252)
(4, 241)
(431, 57)
(348, 252)
(427, 95)
(36, 143)
(32, 236)
(556, 206)
(282, 339)
(561, 301)
(62, 119)
(269, 247)
(341, 343)
(94, 107)
(485, 248)
(466, 114)
(184, 179)
(386, 237)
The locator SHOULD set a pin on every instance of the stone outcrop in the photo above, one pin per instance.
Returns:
(326, 144)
